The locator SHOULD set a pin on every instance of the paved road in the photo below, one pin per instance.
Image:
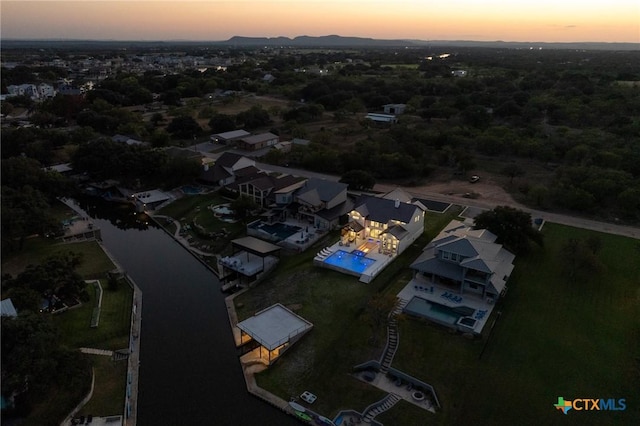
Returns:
(578, 222)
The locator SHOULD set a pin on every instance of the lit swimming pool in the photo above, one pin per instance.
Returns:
(353, 262)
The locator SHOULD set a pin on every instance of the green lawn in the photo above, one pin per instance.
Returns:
(109, 387)
(94, 262)
(115, 319)
(553, 339)
(194, 209)
(335, 303)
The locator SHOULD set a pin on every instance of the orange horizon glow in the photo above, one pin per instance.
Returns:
(489, 20)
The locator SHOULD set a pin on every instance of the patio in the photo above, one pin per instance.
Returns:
(368, 246)
(449, 297)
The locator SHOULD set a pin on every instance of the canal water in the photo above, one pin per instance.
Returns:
(190, 373)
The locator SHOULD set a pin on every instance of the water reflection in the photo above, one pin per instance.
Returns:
(120, 215)
(189, 369)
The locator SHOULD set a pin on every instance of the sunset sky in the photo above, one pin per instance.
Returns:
(507, 20)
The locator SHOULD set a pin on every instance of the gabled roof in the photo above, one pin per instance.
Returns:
(234, 134)
(317, 191)
(397, 231)
(228, 159)
(383, 210)
(478, 248)
(397, 194)
(337, 211)
(214, 174)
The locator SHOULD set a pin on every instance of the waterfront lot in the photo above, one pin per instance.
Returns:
(336, 304)
(554, 338)
(112, 333)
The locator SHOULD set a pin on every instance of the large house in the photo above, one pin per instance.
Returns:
(322, 202)
(394, 223)
(465, 261)
(268, 190)
(226, 169)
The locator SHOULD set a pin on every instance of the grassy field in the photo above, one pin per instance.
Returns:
(553, 339)
(112, 332)
(95, 264)
(109, 387)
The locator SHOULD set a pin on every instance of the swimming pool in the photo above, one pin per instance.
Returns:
(353, 262)
(424, 308)
(192, 189)
(281, 231)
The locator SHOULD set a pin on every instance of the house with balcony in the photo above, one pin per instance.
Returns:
(270, 190)
(391, 224)
(322, 203)
(465, 261)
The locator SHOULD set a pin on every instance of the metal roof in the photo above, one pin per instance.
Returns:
(274, 326)
(255, 246)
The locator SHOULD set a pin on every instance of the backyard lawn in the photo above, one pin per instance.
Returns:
(112, 332)
(336, 304)
(110, 385)
(553, 339)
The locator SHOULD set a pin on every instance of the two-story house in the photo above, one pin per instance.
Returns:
(270, 190)
(465, 260)
(225, 169)
(322, 202)
(393, 223)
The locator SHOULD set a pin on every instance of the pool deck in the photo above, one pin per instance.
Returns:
(381, 259)
(472, 301)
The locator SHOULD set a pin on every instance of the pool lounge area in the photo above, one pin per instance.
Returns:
(466, 313)
(363, 261)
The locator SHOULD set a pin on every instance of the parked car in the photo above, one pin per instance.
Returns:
(474, 178)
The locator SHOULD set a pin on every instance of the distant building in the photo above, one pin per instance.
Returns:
(28, 90)
(227, 137)
(126, 139)
(259, 141)
(394, 108)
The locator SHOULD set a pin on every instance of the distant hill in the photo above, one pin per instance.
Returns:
(329, 41)
(309, 41)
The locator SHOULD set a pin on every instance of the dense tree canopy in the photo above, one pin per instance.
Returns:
(513, 228)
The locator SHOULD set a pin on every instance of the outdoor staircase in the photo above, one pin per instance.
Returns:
(380, 407)
(393, 337)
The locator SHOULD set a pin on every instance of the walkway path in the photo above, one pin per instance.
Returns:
(180, 238)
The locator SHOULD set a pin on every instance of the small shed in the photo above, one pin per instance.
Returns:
(394, 108)
(275, 329)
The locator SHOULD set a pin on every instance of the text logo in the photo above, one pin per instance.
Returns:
(591, 404)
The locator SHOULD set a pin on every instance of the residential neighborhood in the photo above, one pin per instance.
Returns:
(391, 234)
